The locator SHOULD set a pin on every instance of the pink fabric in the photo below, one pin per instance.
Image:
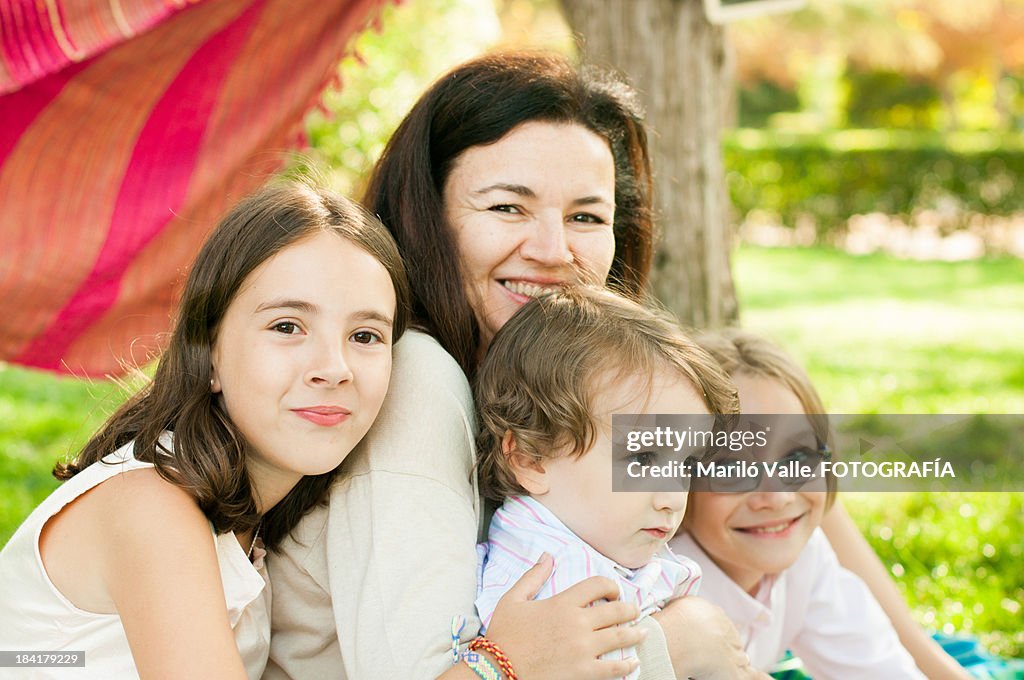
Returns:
(123, 136)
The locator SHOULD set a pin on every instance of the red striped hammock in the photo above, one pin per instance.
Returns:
(126, 128)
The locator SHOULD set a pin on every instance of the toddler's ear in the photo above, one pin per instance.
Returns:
(529, 472)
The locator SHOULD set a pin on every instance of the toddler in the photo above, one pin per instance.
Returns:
(553, 377)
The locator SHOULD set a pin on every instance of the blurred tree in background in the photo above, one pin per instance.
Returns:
(390, 68)
(960, 59)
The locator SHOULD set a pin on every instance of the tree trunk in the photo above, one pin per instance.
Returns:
(676, 59)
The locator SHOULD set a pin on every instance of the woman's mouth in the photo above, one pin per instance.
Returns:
(529, 289)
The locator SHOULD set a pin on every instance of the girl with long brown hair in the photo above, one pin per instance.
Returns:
(276, 368)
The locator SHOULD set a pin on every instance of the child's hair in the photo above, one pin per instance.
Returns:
(544, 366)
(740, 352)
(209, 452)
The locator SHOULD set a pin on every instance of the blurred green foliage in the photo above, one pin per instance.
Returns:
(888, 99)
(388, 69)
(830, 177)
(761, 100)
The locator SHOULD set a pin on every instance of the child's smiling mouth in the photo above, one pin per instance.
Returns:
(773, 529)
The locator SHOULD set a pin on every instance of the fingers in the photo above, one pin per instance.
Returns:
(606, 668)
(619, 637)
(590, 590)
(605, 614)
(530, 582)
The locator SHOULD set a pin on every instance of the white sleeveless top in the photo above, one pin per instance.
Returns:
(35, 616)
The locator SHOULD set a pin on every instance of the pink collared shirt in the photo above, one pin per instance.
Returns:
(817, 609)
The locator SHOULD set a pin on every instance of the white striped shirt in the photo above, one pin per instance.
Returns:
(522, 529)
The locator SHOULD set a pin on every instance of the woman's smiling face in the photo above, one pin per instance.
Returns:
(530, 212)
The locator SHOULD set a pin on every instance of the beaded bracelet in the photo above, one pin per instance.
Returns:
(499, 656)
(479, 664)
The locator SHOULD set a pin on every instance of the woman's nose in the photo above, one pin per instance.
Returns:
(546, 243)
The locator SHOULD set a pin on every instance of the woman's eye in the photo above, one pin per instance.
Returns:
(587, 218)
(367, 337)
(286, 327)
(506, 208)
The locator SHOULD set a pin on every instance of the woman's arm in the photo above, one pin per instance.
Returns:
(401, 529)
(158, 561)
(855, 554)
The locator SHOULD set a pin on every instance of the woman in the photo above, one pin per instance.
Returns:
(512, 175)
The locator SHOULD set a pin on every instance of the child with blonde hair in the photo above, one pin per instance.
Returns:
(553, 377)
(764, 558)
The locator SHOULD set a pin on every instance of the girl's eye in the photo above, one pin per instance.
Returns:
(367, 337)
(645, 458)
(801, 454)
(506, 208)
(587, 218)
(286, 327)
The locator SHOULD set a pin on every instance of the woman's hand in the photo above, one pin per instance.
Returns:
(562, 637)
(703, 642)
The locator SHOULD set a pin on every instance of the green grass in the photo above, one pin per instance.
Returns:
(881, 335)
(878, 335)
(43, 419)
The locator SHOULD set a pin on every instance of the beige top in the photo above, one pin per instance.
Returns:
(35, 615)
(401, 529)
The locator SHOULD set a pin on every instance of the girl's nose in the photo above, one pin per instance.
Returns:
(770, 500)
(329, 367)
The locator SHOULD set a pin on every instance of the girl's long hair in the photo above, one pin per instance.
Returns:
(208, 457)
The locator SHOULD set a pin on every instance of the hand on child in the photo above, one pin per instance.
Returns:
(703, 642)
(562, 636)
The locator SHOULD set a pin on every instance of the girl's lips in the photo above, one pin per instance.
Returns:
(776, 529)
(325, 416)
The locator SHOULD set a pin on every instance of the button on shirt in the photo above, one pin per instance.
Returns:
(817, 609)
(522, 529)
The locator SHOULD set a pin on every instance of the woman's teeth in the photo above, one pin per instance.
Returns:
(530, 289)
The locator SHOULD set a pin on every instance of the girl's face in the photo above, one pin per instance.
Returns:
(302, 359)
(751, 535)
(529, 211)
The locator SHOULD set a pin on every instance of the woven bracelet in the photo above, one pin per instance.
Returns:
(479, 664)
(503, 663)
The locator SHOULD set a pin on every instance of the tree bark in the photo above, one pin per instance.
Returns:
(677, 61)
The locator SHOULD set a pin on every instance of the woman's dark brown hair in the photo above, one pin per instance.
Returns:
(476, 104)
(209, 453)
